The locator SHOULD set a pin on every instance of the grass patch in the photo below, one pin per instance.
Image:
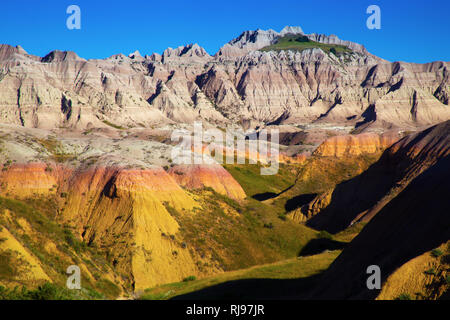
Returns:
(319, 174)
(250, 178)
(300, 43)
(430, 272)
(7, 261)
(404, 296)
(190, 278)
(437, 253)
(239, 235)
(47, 291)
(288, 269)
(39, 214)
(56, 150)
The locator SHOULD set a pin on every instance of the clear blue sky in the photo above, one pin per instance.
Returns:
(414, 31)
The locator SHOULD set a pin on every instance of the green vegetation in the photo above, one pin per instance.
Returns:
(190, 278)
(108, 288)
(319, 174)
(48, 291)
(56, 151)
(7, 261)
(239, 235)
(325, 235)
(300, 43)
(436, 253)
(115, 126)
(430, 271)
(348, 234)
(39, 213)
(288, 269)
(250, 178)
(404, 296)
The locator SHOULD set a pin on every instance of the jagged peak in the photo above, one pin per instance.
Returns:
(58, 56)
(7, 51)
(291, 30)
(119, 56)
(134, 55)
(21, 50)
(190, 50)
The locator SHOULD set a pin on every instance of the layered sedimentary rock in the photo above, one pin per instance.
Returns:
(28, 180)
(239, 83)
(361, 198)
(130, 205)
(353, 145)
(213, 176)
(115, 195)
(119, 211)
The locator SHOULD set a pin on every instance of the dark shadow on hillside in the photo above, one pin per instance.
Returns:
(363, 193)
(270, 195)
(264, 196)
(414, 222)
(369, 115)
(298, 201)
(316, 246)
(256, 289)
(359, 194)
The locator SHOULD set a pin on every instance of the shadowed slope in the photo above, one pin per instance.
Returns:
(416, 221)
(360, 198)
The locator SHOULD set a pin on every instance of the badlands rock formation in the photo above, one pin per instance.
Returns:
(354, 145)
(95, 137)
(115, 195)
(363, 197)
(413, 223)
(239, 84)
(213, 176)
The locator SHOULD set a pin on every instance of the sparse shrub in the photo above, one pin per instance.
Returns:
(47, 291)
(77, 245)
(302, 39)
(190, 278)
(436, 253)
(325, 235)
(430, 271)
(268, 225)
(282, 216)
(404, 296)
(447, 279)
(108, 287)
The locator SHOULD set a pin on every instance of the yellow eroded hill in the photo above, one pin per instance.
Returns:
(23, 266)
(123, 213)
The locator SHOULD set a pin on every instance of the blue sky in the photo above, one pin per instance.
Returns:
(413, 31)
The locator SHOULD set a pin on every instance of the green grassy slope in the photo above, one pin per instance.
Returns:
(31, 224)
(288, 269)
(300, 43)
(240, 235)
